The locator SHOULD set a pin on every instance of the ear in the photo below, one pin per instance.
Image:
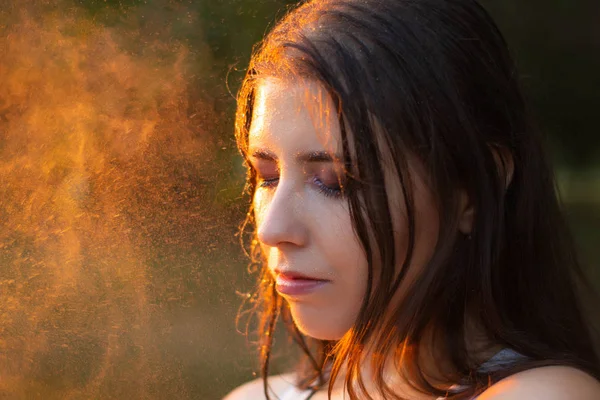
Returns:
(506, 167)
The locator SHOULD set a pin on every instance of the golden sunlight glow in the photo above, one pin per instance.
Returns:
(93, 140)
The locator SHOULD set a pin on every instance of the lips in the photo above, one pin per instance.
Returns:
(291, 275)
(296, 284)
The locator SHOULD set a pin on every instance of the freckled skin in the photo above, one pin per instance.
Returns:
(302, 229)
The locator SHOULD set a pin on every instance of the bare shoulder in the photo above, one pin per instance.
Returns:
(254, 389)
(550, 383)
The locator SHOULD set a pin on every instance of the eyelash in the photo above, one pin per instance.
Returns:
(321, 187)
(328, 191)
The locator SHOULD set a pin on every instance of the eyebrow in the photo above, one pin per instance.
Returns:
(307, 157)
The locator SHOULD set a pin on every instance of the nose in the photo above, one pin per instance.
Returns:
(280, 219)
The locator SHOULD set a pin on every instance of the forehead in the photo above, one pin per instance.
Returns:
(293, 116)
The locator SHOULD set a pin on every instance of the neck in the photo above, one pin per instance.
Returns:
(395, 372)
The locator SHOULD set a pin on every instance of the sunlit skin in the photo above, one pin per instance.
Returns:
(303, 220)
(304, 227)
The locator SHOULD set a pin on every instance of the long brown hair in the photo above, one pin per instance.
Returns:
(431, 78)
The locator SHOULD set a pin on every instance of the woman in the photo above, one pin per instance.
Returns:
(404, 213)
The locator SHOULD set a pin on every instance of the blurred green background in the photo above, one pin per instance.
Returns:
(121, 273)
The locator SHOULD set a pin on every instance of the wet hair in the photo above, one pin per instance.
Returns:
(432, 79)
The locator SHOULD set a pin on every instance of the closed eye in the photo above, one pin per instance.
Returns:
(268, 182)
(327, 190)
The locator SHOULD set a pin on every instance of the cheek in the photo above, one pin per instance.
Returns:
(336, 240)
(338, 248)
(259, 205)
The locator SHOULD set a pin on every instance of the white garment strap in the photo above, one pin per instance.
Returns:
(293, 393)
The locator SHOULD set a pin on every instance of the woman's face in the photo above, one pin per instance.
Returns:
(303, 221)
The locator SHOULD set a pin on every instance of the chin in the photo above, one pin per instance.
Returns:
(320, 323)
